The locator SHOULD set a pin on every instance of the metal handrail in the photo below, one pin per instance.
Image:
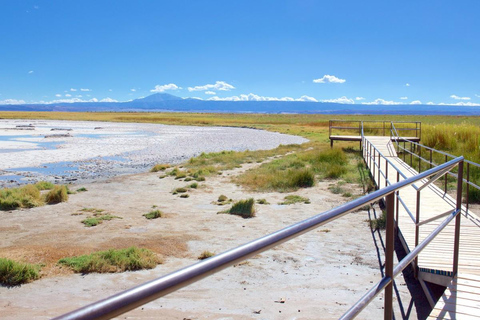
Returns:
(144, 293)
(388, 181)
(417, 124)
(466, 177)
(373, 292)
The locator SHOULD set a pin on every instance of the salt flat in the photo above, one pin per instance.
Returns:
(88, 146)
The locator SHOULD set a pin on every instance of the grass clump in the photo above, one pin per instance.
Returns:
(160, 167)
(154, 214)
(193, 185)
(205, 254)
(185, 195)
(98, 218)
(243, 208)
(262, 201)
(24, 197)
(108, 261)
(292, 199)
(222, 198)
(14, 273)
(179, 190)
(380, 223)
(82, 189)
(44, 185)
(56, 195)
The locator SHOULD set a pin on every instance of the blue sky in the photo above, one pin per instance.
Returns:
(347, 51)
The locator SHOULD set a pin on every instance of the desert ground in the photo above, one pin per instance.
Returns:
(316, 276)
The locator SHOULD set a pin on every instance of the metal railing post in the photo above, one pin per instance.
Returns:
(456, 244)
(468, 185)
(397, 205)
(404, 151)
(431, 161)
(419, 159)
(417, 231)
(446, 175)
(411, 154)
(386, 173)
(379, 171)
(389, 248)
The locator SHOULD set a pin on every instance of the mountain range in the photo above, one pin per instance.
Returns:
(164, 102)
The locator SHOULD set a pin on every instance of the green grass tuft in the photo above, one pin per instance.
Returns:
(205, 254)
(159, 167)
(292, 199)
(222, 198)
(98, 218)
(14, 273)
(82, 189)
(44, 185)
(56, 195)
(24, 197)
(112, 260)
(155, 214)
(380, 222)
(243, 208)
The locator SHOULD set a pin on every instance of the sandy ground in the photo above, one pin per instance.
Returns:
(319, 274)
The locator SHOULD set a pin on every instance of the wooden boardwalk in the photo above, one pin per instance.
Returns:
(461, 300)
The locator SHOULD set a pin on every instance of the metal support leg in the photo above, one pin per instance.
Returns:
(389, 248)
(456, 245)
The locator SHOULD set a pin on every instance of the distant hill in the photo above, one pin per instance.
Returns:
(159, 102)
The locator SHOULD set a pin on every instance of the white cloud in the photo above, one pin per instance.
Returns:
(219, 86)
(307, 99)
(430, 103)
(382, 101)
(85, 90)
(58, 95)
(12, 101)
(133, 90)
(478, 96)
(359, 98)
(209, 92)
(78, 96)
(329, 79)
(72, 100)
(30, 72)
(461, 103)
(343, 99)
(170, 86)
(416, 102)
(68, 95)
(403, 98)
(108, 100)
(254, 97)
(407, 84)
(73, 90)
(110, 90)
(453, 96)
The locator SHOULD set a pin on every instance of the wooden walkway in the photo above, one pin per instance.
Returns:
(461, 300)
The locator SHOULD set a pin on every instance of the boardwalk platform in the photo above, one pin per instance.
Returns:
(461, 300)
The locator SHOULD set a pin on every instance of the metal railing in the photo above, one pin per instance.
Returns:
(144, 293)
(384, 128)
(417, 152)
